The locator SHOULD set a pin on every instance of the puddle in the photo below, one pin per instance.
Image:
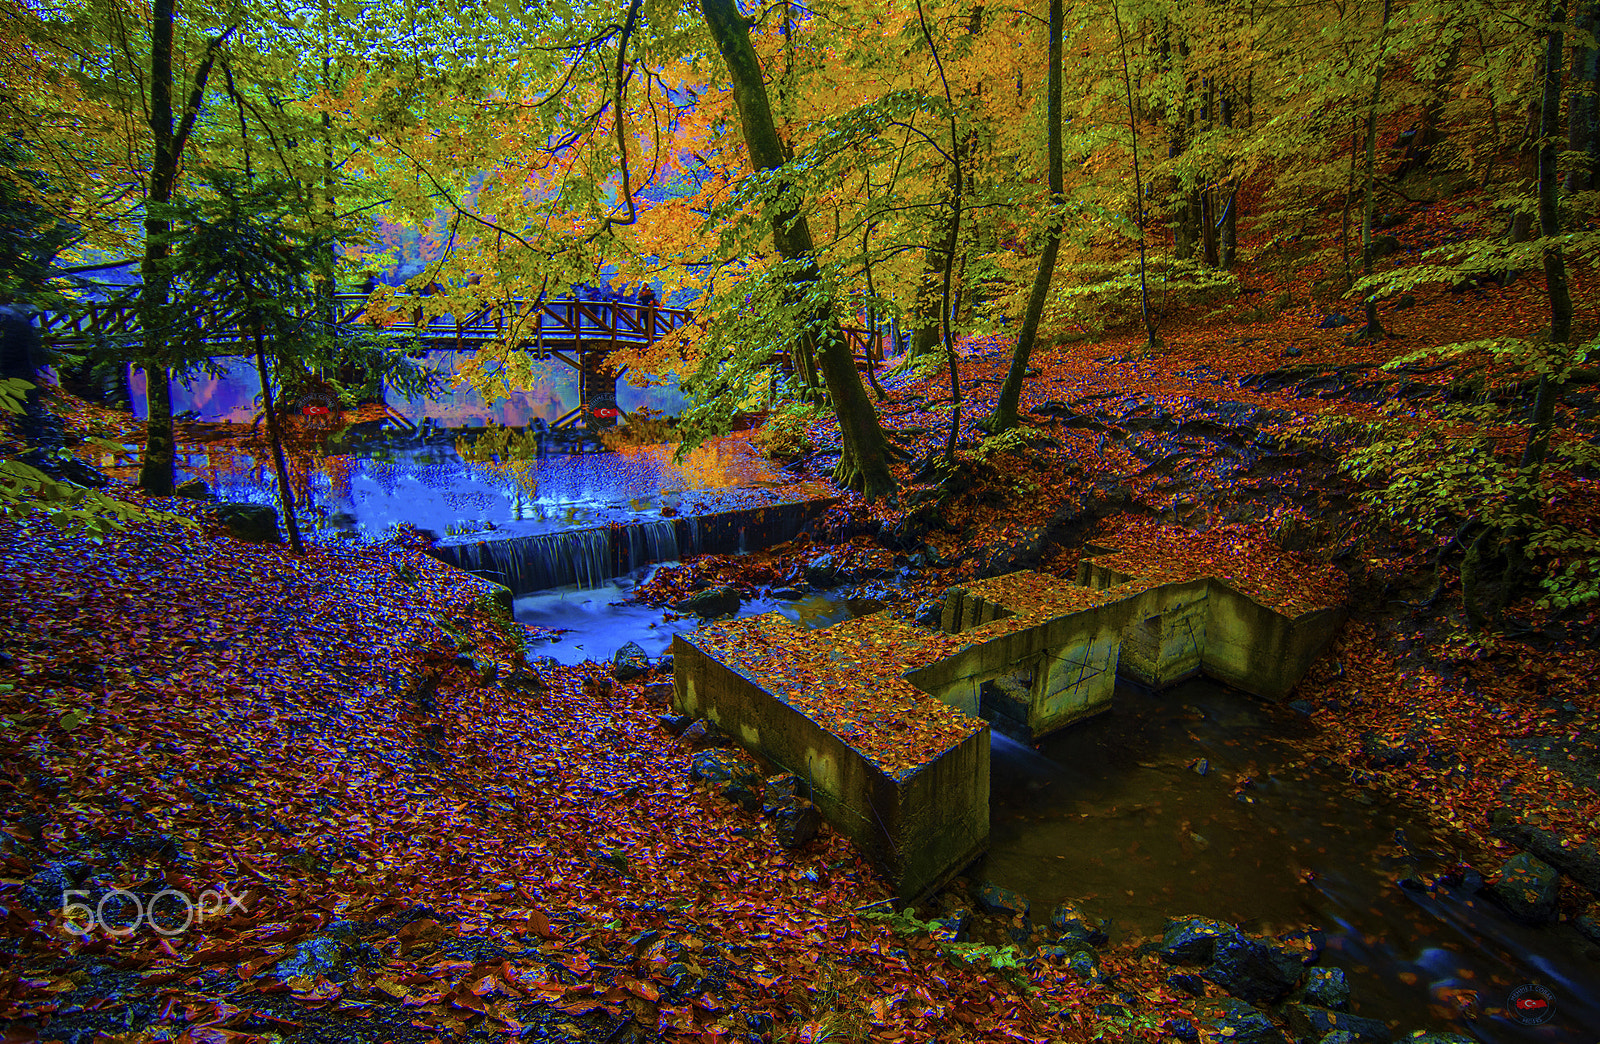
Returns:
(599, 620)
(1111, 813)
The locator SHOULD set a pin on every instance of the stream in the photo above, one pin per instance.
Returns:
(1112, 813)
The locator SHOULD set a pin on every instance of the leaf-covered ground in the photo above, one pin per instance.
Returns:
(410, 860)
(427, 839)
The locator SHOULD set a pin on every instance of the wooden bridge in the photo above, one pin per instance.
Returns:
(580, 333)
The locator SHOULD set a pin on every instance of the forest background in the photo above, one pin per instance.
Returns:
(801, 165)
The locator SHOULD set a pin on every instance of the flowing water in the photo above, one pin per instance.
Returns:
(594, 622)
(1113, 814)
(364, 496)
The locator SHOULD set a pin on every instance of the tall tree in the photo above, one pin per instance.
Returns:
(1005, 410)
(1373, 330)
(864, 451)
(168, 138)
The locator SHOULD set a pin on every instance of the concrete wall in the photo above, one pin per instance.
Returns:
(920, 828)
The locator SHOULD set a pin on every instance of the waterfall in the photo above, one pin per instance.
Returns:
(588, 557)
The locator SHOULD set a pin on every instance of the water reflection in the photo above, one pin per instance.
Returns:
(364, 496)
(1113, 813)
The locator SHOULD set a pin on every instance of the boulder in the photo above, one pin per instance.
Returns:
(740, 793)
(194, 489)
(1253, 970)
(1311, 1023)
(952, 927)
(1588, 922)
(1581, 862)
(717, 766)
(1193, 940)
(629, 662)
(1183, 1029)
(659, 693)
(251, 523)
(825, 571)
(713, 601)
(781, 790)
(1528, 888)
(1332, 321)
(1073, 929)
(1307, 942)
(701, 735)
(1238, 1023)
(797, 823)
(930, 613)
(1326, 988)
(1085, 964)
(675, 723)
(1187, 982)
(1002, 902)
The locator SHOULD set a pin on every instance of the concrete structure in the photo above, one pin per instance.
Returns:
(890, 721)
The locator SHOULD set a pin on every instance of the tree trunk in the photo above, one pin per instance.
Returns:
(155, 471)
(1521, 228)
(1373, 330)
(285, 493)
(1228, 248)
(1583, 134)
(864, 457)
(1005, 410)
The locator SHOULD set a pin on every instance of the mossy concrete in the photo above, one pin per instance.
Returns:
(887, 720)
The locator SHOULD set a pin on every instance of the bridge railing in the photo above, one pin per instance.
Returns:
(558, 323)
(553, 325)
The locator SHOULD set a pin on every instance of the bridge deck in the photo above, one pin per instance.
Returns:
(560, 324)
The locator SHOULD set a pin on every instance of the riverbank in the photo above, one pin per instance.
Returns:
(427, 842)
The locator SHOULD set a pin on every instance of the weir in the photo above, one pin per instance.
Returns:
(588, 557)
(890, 722)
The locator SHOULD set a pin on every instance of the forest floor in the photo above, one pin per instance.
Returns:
(390, 828)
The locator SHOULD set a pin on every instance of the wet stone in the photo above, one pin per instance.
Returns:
(1528, 888)
(742, 795)
(1183, 1029)
(1085, 964)
(797, 823)
(1326, 988)
(630, 662)
(1239, 1023)
(1252, 970)
(717, 766)
(993, 899)
(659, 693)
(1312, 1023)
(1188, 983)
(712, 602)
(675, 723)
(1193, 940)
(251, 523)
(781, 790)
(952, 927)
(1073, 930)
